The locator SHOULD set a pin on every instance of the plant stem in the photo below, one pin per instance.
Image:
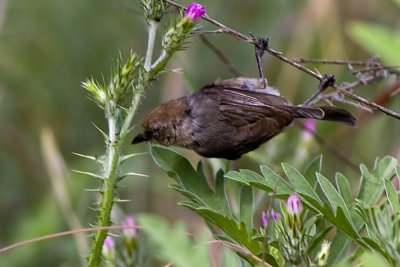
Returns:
(150, 44)
(107, 200)
(114, 150)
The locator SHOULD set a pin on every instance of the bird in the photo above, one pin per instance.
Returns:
(228, 118)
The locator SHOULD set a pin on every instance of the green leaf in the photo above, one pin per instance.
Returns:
(271, 183)
(397, 2)
(313, 167)
(338, 248)
(246, 207)
(370, 259)
(212, 206)
(174, 243)
(377, 39)
(342, 222)
(374, 245)
(275, 181)
(300, 183)
(392, 196)
(372, 183)
(191, 183)
(220, 190)
(334, 198)
(235, 230)
(344, 188)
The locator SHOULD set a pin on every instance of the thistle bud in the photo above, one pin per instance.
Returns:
(108, 250)
(153, 9)
(293, 205)
(130, 232)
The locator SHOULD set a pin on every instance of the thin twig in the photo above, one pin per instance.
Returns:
(241, 250)
(60, 234)
(339, 62)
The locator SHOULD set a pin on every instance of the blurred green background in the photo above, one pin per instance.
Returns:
(47, 48)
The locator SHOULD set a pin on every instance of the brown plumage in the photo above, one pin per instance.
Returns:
(228, 118)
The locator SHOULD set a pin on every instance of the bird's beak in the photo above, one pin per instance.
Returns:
(138, 139)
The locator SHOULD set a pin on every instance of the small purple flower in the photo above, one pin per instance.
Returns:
(265, 216)
(274, 215)
(293, 204)
(131, 231)
(108, 250)
(194, 11)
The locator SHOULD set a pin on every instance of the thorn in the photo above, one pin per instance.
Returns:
(126, 157)
(94, 190)
(101, 131)
(134, 174)
(85, 156)
(122, 200)
(90, 174)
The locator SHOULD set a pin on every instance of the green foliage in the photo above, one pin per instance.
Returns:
(174, 243)
(377, 39)
(211, 205)
(373, 260)
(335, 206)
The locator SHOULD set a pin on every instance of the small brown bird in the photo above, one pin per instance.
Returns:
(228, 118)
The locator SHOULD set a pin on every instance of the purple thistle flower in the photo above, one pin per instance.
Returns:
(131, 231)
(293, 204)
(194, 11)
(108, 248)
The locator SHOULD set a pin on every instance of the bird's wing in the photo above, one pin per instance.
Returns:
(243, 107)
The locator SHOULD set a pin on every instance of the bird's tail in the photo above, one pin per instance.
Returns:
(328, 113)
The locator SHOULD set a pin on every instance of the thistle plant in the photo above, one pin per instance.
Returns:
(383, 224)
(291, 233)
(126, 85)
(296, 237)
(127, 248)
